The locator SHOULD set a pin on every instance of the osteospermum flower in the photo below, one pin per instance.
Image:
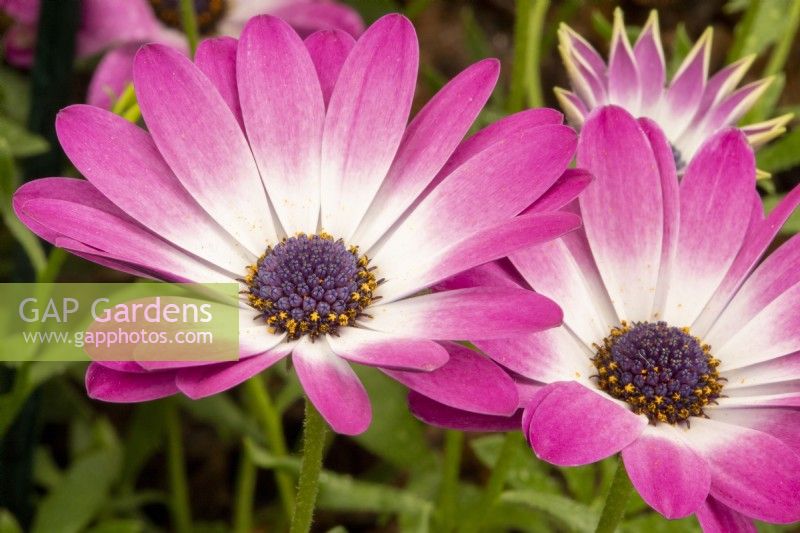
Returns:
(289, 165)
(676, 349)
(690, 108)
(121, 26)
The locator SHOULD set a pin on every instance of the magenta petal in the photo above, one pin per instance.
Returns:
(216, 58)
(623, 74)
(715, 208)
(328, 50)
(283, 113)
(752, 472)
(476, 313)
(623, 209)
(440, 415)
(575, 426)
(200, 139)
(428, 142)
(308, 17)
(207, 380)
(103, 383)
(468, 382)
(105, 23)
(386, 351)
(650, 62)
(666, 472)
(494, 274)
(111, 77)
(571, 183)
(715, 517)
(366, 119)
(332, 387)
(687, 87)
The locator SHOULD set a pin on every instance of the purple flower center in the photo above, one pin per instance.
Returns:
(311, 285)
(208, 13)
(663, 372)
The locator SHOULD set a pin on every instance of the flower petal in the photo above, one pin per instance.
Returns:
(111, 77)
(686, 90)
(715, 209)
(283, 113)
(666, 472)
(623, 75)
(366, 119)
(216, 58)
(468, 381)
(308, 17)
(124, 164)
(328, 50)
(387, 351)
(714, 517)
(477, 313)
(571, 183)
(206, 380)
(428, 142)
(199, 138)
(440, 415)
(627, 244)
(650, 63)
(332, 387)
(574, 426)
(103, 383)
(752, 472)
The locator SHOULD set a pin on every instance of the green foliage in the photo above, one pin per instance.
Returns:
(782, 154)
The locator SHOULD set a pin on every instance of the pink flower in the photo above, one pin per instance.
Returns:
(124, 25)
(260, 145)
(690, 109)
(678, 349)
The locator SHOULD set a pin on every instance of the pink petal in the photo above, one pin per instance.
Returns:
(366, 119)
(216, 58)
(468, 382)
(428, 142)
(781, 423)
(752, 472)
(573, 425)
(111, 77)
(571, 183)
(666, 472)
(715, 208)
(283, 113)
(332, 387)
(440, 415)
(478, 313)
(650, 62)
(574, 108)
(494, 274)
(103, 383)
(386, 351)
(124, 164)
(202, 142)
(714, 517)
(105, 23)
(308, 17)
(686, 90)
(623, 209)
(206, 380)
(328, 50)
(623, 75)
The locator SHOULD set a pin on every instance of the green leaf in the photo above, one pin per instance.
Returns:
(14, 94)
(571, 514)
(681, 45)
(223, 413)
(782, 154)
(118, 526)
(394, 435)
(655, 523)
(526, 472)
(22, 142)
(602, 25)
(144, 438)
(82, 492)
(762, 24)
(8, 523)
(372, 10)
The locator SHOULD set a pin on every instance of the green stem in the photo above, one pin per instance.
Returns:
(616, 501)
(497, 481)
(189, 24)
(245, 489)
(314, 431)
(448, 494)
(526, 85)
(270, 419)
(743, 30)
(179, 493)
(780, 52)
(55, 260)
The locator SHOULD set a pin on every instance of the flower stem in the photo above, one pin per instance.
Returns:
(616, 500)
(314, 431)
(263, 406)
(189, 24)
(181, 515)
(245, 489)
(526, 85)
(497, 481)
(448, 494)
